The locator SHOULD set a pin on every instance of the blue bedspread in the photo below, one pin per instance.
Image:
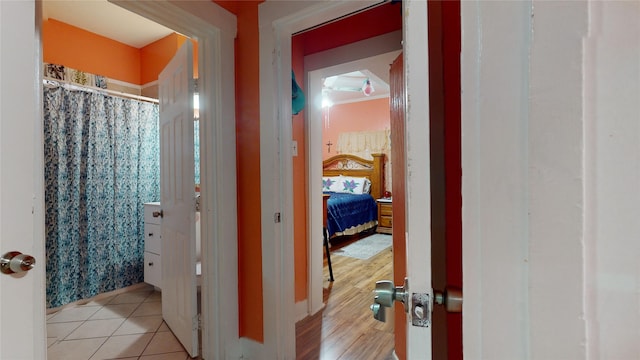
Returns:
(347, 210)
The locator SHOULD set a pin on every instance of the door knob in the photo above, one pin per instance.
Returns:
(158, 214)
(385, 294)
(16, 262)
(450, 298)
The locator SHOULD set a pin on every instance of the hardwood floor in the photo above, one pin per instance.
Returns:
(345, 329)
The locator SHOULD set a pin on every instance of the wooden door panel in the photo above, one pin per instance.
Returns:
(398, 163)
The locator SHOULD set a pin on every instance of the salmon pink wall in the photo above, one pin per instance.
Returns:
(82, 50)
(367, 115)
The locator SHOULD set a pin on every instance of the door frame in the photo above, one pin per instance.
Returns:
(277, 25)
(215, 29)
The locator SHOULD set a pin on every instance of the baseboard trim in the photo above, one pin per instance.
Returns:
(302, 310)
(251, 349)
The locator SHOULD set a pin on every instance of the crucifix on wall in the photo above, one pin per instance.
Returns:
(329, 146)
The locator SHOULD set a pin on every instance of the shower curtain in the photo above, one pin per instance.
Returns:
(101, 165)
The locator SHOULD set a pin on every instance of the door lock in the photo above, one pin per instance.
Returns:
(384, 296)
(422, 304)
(16, 262)
(450, 298)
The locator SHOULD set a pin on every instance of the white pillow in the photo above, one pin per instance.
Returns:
(352, 185)
(331, 183)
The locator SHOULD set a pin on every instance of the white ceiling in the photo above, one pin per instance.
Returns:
(346, 85)
(104, 18)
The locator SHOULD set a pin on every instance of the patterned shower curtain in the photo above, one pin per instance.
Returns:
(101, 165)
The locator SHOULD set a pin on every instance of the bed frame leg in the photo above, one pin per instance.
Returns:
(326, 248)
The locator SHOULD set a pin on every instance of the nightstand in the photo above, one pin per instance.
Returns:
(385, 216)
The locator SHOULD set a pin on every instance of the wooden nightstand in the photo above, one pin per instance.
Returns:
(385, 216)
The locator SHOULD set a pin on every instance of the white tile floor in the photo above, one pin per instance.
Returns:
(123, 326)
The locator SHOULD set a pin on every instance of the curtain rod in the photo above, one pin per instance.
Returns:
(70, 85)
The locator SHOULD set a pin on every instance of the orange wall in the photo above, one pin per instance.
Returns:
(82, 50)
(155, 56)
(299, 182)
(248, 168)
(370, 115)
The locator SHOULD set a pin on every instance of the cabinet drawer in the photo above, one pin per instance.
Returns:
(149, 209)
(386, 209)
(152, 238)
(152, 269)
(386, 221)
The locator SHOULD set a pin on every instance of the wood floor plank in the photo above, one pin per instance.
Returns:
(345, 329)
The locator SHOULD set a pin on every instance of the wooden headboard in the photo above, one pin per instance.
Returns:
(351, 165)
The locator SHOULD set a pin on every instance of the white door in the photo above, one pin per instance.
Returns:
(418, 215)
(177, 199)
(22, 334)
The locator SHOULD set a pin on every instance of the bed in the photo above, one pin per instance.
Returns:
(351, 207)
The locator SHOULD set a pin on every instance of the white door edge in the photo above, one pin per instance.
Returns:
(22, 296)
(418, 221)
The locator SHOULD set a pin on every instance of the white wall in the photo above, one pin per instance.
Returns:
(556, 180)
(495, 55)
(551, 140)
(612, 106)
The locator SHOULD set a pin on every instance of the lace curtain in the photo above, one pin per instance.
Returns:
(365, 143)
(101, 165)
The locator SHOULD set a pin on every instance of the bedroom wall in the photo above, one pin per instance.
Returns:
(368, 115)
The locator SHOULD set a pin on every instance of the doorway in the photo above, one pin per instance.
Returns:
(215, 35)
(372, 53)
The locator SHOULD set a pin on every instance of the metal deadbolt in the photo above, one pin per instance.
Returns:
(450, 298)
(16, 262)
